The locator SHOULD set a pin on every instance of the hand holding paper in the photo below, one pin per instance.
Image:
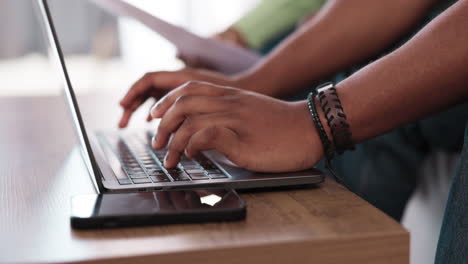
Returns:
(220, 56)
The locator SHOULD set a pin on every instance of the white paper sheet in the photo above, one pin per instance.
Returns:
(220, 56)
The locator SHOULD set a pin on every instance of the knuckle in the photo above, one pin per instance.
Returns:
(211, 133)
(189, 124)
(148, 75)
(233, 102)
(181, 100)
(233, 117)
(174, 147)
(162, 129)
(146, 79)
(229, 91)
(192, 83)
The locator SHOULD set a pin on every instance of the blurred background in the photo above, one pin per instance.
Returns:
(106, 54)
(103, 52)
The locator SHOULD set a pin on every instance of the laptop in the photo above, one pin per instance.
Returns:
(126, 162)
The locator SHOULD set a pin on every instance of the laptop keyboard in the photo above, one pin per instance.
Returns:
(142, 164)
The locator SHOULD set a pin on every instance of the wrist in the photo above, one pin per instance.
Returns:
(251, 80)
(244, 81)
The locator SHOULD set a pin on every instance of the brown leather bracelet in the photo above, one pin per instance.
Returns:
(336, 118)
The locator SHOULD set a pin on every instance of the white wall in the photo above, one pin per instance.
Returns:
(142, 50)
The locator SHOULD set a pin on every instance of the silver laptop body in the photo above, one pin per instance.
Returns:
(105, 154)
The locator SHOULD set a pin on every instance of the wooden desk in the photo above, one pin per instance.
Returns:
(40, 168)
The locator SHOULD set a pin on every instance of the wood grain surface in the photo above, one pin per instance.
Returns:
(40, 169)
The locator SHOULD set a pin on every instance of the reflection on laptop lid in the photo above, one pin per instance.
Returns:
(55, 52)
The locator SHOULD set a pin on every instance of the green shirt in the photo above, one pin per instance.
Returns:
(273, 17)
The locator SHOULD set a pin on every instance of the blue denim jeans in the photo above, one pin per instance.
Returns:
(453, 240)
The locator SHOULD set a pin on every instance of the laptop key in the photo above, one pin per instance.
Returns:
(199, 176)
(188, 162)
(134, 170)
(160, 156)
(137, 172)
(138, 176)
(154, 168)
(218, 176)
(179, 175)
(209, 166)
(156, 173)
(193, 167)
(125, 181)
(194, 171)
(149, 160)
(215, 171)
(149, 163)
(159, 178)
(141, 181)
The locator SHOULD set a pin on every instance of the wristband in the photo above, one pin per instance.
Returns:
(327, 144)
(328, 147)
(336, 118)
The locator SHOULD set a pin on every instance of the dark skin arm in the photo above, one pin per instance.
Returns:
(424, 76)
(343, 33)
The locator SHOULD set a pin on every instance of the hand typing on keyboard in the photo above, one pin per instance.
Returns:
(142, 164)
(254, 131)
(157, 84)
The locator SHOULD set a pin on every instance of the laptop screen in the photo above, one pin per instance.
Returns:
(57, 57)
(84, 46)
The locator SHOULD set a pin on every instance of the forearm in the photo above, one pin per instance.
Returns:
(427, 74)
(341, 34)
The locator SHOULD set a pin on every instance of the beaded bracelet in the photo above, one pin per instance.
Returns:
(327, 144)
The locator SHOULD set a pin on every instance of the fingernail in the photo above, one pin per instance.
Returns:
(153, 141)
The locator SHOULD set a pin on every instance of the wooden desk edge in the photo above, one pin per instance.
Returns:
(389, 248)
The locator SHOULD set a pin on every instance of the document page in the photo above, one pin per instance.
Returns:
(220, 56)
